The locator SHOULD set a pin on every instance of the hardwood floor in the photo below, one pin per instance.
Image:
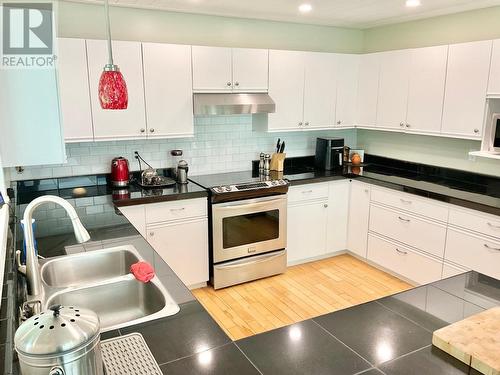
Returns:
(303, 292)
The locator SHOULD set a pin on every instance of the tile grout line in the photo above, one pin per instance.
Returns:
(347, 346)
(194, 354)
(405, 355)
(249, 360)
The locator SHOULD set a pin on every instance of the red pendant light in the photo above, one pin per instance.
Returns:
(113, 92)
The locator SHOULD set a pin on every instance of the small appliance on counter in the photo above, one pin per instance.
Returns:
(494, 145)
(329, 153)
(120, 174)
(182, 172)
(149, 176)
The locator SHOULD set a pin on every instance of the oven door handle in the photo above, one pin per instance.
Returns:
(275, 203)
(244, 264)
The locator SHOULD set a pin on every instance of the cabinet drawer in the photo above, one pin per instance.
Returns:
(475, 252)
(184, 209)
(482, 223)
(409, 202)
(421, 234)
(308, 192)
(403, 261)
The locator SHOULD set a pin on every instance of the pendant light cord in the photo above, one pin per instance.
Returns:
(108, 31)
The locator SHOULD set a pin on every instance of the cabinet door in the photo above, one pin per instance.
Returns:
(306, 238)
(187, 255)
(466, 86)
(250, 70)
(129, 123)
(338, 213)
(393, 89)
(426, 92)
(494, 81)
(347, 89)
(320, 90)
(359, 213)
(212, 69)
(286, 88)
(30, 125)
(168, 90)
(369, 74)
(74, 91)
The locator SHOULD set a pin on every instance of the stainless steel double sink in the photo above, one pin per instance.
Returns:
(100, 280)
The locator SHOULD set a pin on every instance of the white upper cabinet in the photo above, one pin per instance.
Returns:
(74, 91)
(494, 82)
(286, 88)
(168, 90)
(320, 90)
(347, 89)
(369, 74)
(118, 124)
(212, 69)
(393, 89)
(466, 86)
(219, 69)
(30, 125)
(250, 70)
(426, 91)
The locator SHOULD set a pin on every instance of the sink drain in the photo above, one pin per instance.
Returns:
(128, 355)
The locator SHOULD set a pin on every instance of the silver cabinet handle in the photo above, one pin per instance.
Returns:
(403, 219)
(307, 191)
(494, 226)
(307, 123)
(143, 130)
(229, 84)
(325, 205)
(491, 248)
(367, 191)
(177, 209)
(300, 123)
(408, 125)
(401, 252)
(476, 131)
(151, 234)
(402, 124)
(236, 83)
(405, 201)
(151, 130)
(339, 122)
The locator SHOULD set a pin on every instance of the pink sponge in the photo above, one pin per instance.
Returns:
(142, 271)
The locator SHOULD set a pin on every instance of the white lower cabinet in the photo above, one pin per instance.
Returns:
(338, 213)
(184, 246)
(306, 230)
(359, 212)
(410, 264)
(482, 254)
(178, 231)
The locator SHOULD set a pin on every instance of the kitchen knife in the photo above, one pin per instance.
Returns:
(278, 145)
(282, 148)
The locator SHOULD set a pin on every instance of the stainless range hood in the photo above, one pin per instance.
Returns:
(233, 104)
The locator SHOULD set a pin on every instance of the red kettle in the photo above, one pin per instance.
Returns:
(119, 172)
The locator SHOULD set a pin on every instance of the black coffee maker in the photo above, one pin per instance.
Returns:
(329, 153)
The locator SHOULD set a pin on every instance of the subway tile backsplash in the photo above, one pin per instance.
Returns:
(220, 144)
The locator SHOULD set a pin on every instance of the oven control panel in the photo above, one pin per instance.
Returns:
(249, 186)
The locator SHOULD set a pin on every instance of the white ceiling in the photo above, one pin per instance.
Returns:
(347, 13)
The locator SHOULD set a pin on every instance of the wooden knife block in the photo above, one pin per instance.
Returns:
(277, 162)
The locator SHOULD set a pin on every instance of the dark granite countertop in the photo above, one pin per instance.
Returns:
(392, 334)
(475, 191)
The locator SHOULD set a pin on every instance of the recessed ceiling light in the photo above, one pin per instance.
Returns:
(304, 8)
(413, 3)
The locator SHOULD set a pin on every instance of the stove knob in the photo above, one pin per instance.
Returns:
(228, 188)
(274, 183)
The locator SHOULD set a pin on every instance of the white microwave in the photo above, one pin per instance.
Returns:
(495, 133)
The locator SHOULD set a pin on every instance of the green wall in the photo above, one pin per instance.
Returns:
(469, 26)
(87, 21)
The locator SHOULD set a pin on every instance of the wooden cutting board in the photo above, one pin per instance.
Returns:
(474, 341)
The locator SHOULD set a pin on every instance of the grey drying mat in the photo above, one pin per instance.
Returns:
(128, 355)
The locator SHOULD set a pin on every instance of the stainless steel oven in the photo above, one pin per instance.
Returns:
(248, 227)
